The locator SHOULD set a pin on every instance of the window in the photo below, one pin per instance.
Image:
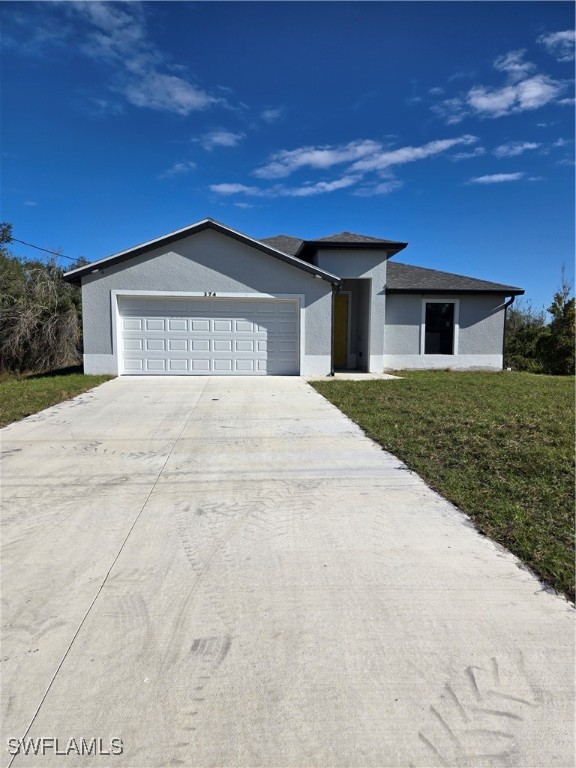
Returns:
(439, 328)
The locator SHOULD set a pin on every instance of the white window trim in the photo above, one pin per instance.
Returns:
(115, 310)
(440, 300)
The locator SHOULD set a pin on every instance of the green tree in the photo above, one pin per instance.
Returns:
(524, 327)
(557, 346)
(40, 314)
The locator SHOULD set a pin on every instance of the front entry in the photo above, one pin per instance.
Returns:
(340, 330)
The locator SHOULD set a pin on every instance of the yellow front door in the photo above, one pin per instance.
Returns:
(340, 334)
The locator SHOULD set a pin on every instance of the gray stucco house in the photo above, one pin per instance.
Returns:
(207, 299)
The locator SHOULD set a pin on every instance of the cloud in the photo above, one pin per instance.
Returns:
(116, 35)
(476, 152)
(178, 169)
(523, 91)
(380, 161)
(221, 138)
(308, 189)
(168, 93)
(272, 115)
(514, 148)
(514, 65)
(285, 162)
(30, 203)
(363, 155)
(560, 44)
(497, 178)
(234, 189)
(383, 188)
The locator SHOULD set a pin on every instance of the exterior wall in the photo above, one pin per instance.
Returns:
(206, 261)
(370, 265)
(479, 334)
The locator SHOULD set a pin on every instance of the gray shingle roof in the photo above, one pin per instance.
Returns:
(284, 243)
(352, 237)
(404, 278)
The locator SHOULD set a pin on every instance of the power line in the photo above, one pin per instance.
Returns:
(38, 248)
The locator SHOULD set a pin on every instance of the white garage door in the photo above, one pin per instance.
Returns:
(196, 336)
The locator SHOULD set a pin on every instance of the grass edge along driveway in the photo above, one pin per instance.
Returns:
(21, 396)
(500, 446)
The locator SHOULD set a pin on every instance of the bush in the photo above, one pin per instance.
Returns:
(40, 314)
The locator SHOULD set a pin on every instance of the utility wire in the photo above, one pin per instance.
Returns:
(54, 253)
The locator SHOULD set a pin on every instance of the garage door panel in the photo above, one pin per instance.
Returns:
(209, 336)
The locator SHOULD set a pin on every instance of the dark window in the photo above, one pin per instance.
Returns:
(439, 334)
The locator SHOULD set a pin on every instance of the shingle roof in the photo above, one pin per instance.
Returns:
(284, 243)
(352, 237)
(404, 278)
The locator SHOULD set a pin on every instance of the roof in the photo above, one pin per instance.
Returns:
(404, 278)
(352, 237)
(284, 243)
(305, 249)
(75, 276)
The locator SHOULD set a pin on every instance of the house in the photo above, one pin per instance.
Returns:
(207, 299)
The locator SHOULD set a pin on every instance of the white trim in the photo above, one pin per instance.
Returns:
(115, 313)
(440, 300)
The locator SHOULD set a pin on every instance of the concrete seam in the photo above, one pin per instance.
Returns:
(97, 595)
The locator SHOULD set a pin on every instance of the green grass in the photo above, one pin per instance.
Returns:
(21, 396)
(500, 446)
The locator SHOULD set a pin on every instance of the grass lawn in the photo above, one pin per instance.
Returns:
(21, 396)
(500, 446)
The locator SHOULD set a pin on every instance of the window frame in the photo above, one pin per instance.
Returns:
(455, 340)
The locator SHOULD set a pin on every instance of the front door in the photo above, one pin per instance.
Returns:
(340, 333)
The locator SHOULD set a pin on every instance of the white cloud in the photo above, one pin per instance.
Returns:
(524, 90)
(285, 162)
(167, 92)
(116, 35)
(308, 189)
(383, 188)
(272, 115)
(178, 169)
(221, 138)
(234, 189)
(476, 152)
(514, 65)
(320, 188)
(497, 178)
(525, 95)
(514, 148)
(560, 44)
(380, 161)
(30, 203)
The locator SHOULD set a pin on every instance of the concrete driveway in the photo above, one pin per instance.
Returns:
(227, 572)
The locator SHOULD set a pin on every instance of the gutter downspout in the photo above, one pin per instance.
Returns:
(335, 290)
(506, 305)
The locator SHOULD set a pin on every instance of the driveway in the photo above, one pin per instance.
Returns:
(227, 572)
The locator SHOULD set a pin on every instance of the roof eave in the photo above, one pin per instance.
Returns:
(503, 291)
(75, 276)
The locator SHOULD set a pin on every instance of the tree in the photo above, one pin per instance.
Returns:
(524, 327)
(557, 345)
(40, 314)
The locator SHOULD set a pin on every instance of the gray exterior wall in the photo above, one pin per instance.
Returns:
(480, 332)
(370, 265)
(206, 261)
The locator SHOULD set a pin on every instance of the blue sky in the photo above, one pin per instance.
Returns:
(446, 124)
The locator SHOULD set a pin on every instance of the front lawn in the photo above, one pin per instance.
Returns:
(500, 446)
(21, 396)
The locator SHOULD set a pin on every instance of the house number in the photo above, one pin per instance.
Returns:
(209, 293)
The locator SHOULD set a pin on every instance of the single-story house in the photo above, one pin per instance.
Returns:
(207, 299)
